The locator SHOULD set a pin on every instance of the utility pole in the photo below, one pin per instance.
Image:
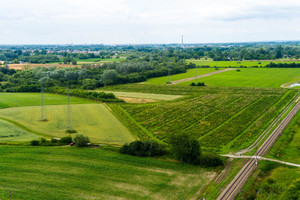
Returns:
(43, 115)
(196, 80)
(69, 125)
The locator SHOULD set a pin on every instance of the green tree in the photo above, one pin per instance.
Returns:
(185, 148)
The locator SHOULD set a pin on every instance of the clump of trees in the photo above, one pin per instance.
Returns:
(186, 148)
(143, 149)
(79, 141)
(197, 84)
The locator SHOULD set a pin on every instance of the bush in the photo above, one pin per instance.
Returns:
(211, 160)
(192, 84)
(142, 149)
(66, 140)
(81, 140)
(185, 148)
(35, 143)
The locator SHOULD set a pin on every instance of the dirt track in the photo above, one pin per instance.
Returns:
(201, 76)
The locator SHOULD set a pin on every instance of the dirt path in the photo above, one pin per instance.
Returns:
(263, 158)
(201, 76)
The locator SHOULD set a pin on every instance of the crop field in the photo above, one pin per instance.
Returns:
(33, 99)
(93, 120)
(247, 63)
(165, 97)
(222, 121)
(189, 73)
(71, 173)
(252, 77)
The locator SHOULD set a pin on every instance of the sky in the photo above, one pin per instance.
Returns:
(147, 21)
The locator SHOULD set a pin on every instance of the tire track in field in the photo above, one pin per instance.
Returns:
(200, 76)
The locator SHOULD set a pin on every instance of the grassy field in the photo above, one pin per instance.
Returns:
(93, 120)
(247, 63)
(33, 99)
(189, 73)
(251, 77)
(72, 173)
(10, 133)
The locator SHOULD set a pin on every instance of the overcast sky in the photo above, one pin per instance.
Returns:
(147, 21)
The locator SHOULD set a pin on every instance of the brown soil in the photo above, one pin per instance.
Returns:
(29, 65)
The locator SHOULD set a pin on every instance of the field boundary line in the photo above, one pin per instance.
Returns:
(201, 76)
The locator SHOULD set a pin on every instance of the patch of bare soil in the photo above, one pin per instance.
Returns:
(136, 100)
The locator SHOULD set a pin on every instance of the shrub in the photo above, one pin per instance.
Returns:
(142, 149)
(54, 140)
(35, 143)
(81, 140)
(201, 84)
(192, 84)
(66, 140)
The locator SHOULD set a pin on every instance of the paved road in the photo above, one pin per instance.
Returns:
(240, 179)
(200, 76)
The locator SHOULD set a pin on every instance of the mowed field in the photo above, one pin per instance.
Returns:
(21, 118)
(252, 77)
(175, 77)
(71, 173)
(247, 63)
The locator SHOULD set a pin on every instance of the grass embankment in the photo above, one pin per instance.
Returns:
(73, 173)
(92, 120)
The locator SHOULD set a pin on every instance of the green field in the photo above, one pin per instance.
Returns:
(247, 63)
(33, 99)
(252, 77)
(189, 73)
(71, 173)
(93, 120)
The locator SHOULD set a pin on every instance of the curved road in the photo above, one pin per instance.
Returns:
(240, 179)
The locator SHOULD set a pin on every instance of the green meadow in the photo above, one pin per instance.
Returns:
(93, 120)
(189, 73)
(33, 99)
(251, 77)
(72, 173)
(247, 63)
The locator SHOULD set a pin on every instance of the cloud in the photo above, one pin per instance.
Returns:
(122, 21)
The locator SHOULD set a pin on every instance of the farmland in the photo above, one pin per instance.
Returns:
(210, 117)
(70, 173)
(93, 120)
(252, 77)
(34, 99)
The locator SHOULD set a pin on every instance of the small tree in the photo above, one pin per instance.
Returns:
(81, 140)
(185, 148)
